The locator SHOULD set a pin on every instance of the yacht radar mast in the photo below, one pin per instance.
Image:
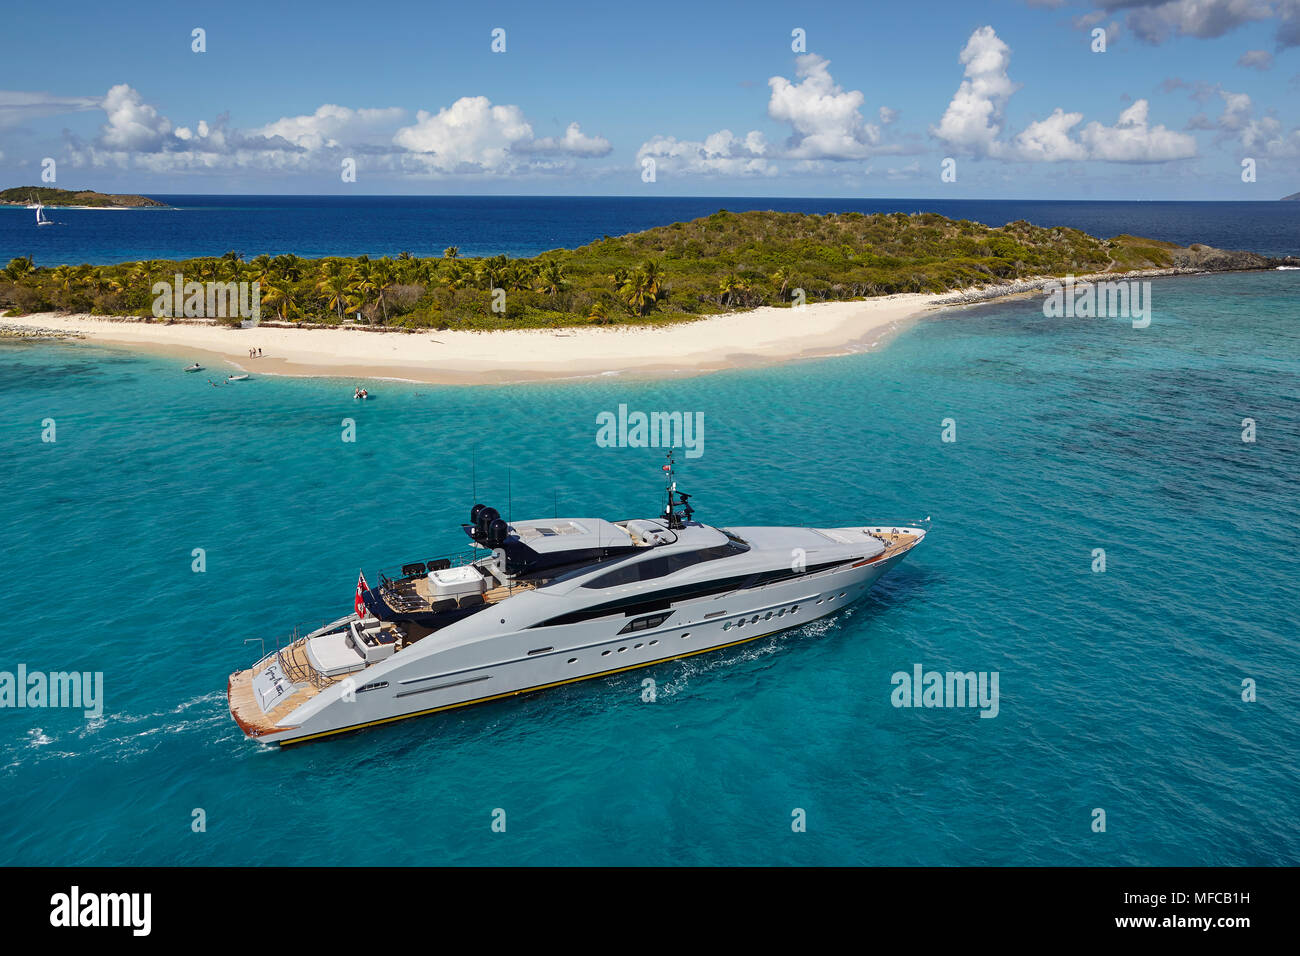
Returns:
(677, 520)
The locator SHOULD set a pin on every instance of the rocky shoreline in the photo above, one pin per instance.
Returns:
(1193, 260)
(10, 331)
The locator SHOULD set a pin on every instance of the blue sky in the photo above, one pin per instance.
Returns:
(712, 94)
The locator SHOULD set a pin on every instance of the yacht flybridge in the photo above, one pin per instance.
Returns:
(535, 604)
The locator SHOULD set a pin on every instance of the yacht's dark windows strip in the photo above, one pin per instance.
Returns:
(657, 567)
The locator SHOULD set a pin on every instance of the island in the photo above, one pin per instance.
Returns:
(1293, 197)
(684, 271)
(87, 198)
(733, 288)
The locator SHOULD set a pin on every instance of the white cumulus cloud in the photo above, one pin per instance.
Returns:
(975, 119)
(826, 119)
(132, 123)
(721, 152)
(332, 126)
(574, 142)
(826, 125)
(470, 136)
(1133, 140)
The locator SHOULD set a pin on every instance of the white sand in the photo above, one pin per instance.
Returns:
(762, 336)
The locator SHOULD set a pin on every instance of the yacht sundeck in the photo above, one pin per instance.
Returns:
(539, 603)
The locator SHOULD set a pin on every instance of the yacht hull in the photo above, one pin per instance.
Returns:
(537, 658)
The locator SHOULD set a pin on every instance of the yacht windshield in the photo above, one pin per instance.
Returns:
(665, 564)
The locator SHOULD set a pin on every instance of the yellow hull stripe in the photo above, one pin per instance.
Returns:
(526, 690)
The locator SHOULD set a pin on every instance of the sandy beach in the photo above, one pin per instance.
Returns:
(759, 337)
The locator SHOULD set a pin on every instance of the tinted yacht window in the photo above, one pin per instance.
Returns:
(658, 567)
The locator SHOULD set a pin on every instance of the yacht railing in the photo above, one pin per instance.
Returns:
(298, 673)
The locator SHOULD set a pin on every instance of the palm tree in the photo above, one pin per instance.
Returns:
(637, 292)
(19, 267)
(139, 276)
(279, 299)
(654, 274)
(289, 266)
(457, 275)
(598, 313)
(64, 276)
(361, 282)
(451, 252)
(231, 262)
(492, 272)
(781, 277)
(260, 268)
(731, 288)
(334, 287)
(552, 276)
(382, 276)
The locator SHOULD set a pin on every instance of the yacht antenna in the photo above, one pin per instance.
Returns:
(510, 495)
(475, 472)
(677, 520)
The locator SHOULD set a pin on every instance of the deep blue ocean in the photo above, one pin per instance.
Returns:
(315, 226)
(1119, 691)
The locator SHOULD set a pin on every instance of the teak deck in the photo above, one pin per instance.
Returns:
(243, 702)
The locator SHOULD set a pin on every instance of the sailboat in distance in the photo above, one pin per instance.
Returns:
(41, 218)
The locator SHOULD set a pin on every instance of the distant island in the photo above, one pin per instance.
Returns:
(1293, 196)
(726, 262)
(25, 195)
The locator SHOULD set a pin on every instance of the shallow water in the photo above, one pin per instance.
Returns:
(1119, 690)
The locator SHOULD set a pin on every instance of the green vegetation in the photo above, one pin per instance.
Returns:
(672, 273)
(23, 195)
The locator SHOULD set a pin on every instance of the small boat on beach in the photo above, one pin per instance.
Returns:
(196, 367)
(237, 378)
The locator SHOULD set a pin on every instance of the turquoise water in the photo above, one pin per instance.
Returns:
(1119, 690)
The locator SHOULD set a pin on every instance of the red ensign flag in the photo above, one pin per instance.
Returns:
(360, 605)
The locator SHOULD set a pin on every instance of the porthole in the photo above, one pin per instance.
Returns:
(781, 613)
(638, 647)
(727, 626)
(573, 660)
(842, 593)
(686, 635)
(622, 649)
(653, 643)
(767, 616)
(604, 653)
